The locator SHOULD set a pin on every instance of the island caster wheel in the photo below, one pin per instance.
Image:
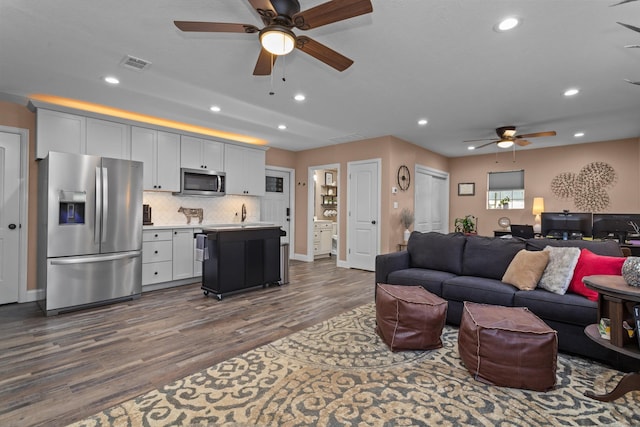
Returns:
(206, 293)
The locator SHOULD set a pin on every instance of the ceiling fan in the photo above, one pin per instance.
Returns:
(276, 38)
(507, 137)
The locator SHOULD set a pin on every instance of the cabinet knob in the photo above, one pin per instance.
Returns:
(155, 186)
(159, 186)
(155, 252)
(156, 273)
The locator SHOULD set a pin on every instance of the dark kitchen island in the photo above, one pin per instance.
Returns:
(241, 257)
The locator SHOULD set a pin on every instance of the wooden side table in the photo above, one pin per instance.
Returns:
(615, 301)
(402, 247)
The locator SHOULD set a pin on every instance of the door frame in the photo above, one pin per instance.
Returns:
(378, 187)
(292, 204)
(311, 208)
(438, 174)
(23, 197)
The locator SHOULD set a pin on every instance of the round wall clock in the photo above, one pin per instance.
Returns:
(404, 178)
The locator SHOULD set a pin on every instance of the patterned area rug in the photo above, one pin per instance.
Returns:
(339, 373)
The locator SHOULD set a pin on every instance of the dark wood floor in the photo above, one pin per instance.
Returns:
(60, 369)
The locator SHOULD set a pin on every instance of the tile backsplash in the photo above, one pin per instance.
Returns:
(226, 209)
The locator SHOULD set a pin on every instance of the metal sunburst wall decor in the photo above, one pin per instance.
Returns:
(588, 188)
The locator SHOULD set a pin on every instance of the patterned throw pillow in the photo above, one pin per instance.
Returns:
(559, 271)
(525, 269)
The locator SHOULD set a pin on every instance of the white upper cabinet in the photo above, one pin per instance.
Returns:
(56, 131)
(160, 153)
(245, 170)
(71, 133)
(108, 139)
(200, 153)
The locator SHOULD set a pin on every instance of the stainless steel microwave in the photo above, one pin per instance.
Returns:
(201, 182)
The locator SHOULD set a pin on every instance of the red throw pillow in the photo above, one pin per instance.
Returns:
(590, 264)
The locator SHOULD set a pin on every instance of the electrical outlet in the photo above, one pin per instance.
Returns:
(394, 190)
(395, 205)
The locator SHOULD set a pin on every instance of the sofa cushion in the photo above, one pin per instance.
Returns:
(437, 251)
(590, 264)
(525, 269)
(559, 271)
(431, 280)
(478, 289)
(569, 308)
(600, 247)
(489, 257)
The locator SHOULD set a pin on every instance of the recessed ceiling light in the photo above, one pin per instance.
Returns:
(507, 24)
(214, 108)
(111, 80)
(300, 97)
(578, 134)
(282, 127)
(422, 122)
(571, 92)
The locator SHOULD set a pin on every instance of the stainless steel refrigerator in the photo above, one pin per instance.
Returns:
(89, 231)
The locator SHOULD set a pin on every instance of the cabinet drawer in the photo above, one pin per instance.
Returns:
(156, 272)
(157, 251)
(155, 235)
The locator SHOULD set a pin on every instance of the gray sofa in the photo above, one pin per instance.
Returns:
(462, 268)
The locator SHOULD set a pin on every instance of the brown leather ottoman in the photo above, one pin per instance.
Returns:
(508, 347)
(409, 317)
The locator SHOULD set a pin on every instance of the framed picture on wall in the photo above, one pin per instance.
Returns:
(328, 178)
(466, 189)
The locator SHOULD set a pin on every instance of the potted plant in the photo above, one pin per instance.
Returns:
(504, 202)
(466, 225)
(406, 218)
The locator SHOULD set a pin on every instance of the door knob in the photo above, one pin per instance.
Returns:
(373, 222)
(12, 226)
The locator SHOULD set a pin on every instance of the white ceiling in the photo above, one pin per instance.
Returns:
(439, 60)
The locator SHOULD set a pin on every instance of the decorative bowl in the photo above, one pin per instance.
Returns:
(504, 222)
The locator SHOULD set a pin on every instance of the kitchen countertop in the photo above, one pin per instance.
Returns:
(209, 226)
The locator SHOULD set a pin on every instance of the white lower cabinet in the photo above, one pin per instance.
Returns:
(182, 253)
(322, 232)
(157, 255)
(168, 255)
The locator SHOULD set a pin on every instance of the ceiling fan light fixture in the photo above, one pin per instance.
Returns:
(277, 40)
(505, 143)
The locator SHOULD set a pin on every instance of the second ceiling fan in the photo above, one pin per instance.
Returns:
(507, 137)
(276, 38)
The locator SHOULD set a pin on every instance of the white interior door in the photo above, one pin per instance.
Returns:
(363, 233)
(431, 200)
(276, 203)
(9, 217)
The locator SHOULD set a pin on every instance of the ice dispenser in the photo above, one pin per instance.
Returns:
(72, 204)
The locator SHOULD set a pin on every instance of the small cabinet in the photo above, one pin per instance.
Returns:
(108, 139)
(200, 153)
(182, 253)
(322, 232)
(160, 153)
(157, 255)
(245, 169)
(57, 131)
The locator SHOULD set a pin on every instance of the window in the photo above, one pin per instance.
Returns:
(506, 190)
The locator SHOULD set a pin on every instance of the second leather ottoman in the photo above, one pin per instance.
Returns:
(508, 347)
(409, 317)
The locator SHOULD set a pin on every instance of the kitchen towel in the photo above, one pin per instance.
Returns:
(202, 252)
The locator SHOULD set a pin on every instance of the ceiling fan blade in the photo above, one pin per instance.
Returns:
(537, 134)
(323, 53)
(331, 11)
(483, 139)
(265, 62)
(631, 27)
(265, 9)
(215, 27)
(522, 142)
(484, 145)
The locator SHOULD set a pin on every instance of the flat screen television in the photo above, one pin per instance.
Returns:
(566, 225)
(616, 226)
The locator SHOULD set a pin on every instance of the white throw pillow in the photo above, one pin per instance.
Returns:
(559, 271)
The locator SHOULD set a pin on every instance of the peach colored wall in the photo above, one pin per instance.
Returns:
(280, 158)
(393, 152)
(18, 116)
(540, 167)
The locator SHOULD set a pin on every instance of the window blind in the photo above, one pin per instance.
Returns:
(512, 180)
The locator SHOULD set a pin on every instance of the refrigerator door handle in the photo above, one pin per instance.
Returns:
(98, 206)
(105, 203)
(91, 259)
